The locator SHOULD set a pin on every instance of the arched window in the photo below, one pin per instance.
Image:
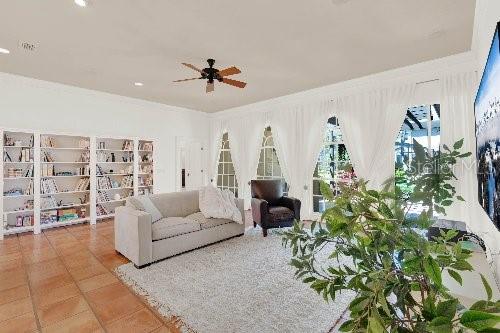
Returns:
(334, 165)
(269, 166)
(226, 177)
(422, 124)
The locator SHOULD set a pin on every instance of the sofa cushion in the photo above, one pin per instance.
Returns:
(207, 222)
(176, 204)
(173, 226)
(279, 213)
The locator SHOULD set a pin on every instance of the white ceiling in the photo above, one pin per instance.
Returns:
(281, 46)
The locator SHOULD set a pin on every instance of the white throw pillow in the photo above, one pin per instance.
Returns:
(150, 208)
(215, 203)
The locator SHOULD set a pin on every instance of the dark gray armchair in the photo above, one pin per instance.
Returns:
(270, 209)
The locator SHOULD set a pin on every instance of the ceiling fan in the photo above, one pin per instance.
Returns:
(211, 74)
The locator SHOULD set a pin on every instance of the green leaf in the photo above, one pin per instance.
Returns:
(432, 269)
(440, 325)
(459, 197)
(326, 191)
(457, 145)
(478, 320)
(447, 308)
(347, 326)
(375, 326)
(462, 265)
(455, 275)
(486, 287)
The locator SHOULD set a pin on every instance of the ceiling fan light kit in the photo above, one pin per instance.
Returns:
(212, 74)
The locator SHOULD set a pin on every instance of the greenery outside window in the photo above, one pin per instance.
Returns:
(333, 166)
(422, 124)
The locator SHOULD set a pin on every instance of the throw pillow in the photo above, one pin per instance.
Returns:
(149, 207)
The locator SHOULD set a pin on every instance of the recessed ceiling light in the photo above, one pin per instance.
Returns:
(138, 84)
(81, 3)
(4, 51)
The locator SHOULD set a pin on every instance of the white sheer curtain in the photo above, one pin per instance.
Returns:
(298, 134)
(370, 122)
(217, 128)
(457, 122)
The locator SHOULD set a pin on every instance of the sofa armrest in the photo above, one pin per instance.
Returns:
(260, 210)
(240, 203)
(133, 235)
(293, 204)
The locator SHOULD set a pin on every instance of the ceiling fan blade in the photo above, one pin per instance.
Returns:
(210, 87)
(229, 71)
(193, 67)
(234, 83)
(194, 78)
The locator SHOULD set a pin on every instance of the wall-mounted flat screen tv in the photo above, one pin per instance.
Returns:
(487, 114)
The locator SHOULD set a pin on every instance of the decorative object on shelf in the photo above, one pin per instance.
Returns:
(117, 196)
(113, 158)
(395, 271)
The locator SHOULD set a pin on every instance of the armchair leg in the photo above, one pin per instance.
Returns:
(254, 224)
(264, 232)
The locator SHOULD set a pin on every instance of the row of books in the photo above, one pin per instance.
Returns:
(104, 156)
(127, 181)
(48, 185)
(101, 210)
(47, 157)
(62, 215)
(102, 196)
(25, 155)
(147, 146)
(18, 172)
(146, 181)
(22, 221)
(50, 142)
(9, 141)
(147, 158)
(146, 168)
(83, 184)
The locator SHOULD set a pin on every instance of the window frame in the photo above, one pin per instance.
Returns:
(263, 154)
(227, 166)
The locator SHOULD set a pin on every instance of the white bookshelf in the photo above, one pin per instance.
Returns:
(115, 174)
(145, 173)
(17, 183)
(57, 158)
(65, 169)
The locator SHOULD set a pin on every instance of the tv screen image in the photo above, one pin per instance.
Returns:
(487, 114)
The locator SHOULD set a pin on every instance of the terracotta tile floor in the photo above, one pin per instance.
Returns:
(62, 281)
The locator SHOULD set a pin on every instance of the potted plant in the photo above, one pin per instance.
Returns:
(396, 272)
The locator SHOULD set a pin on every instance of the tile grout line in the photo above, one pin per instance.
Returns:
(30, 287)
(142, 301)
(77, 286)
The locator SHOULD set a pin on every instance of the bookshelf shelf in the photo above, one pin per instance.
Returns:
(19, 211)
(16, 178)
(69, 176)
(64, 192)
(35, 162)
(106, 216)
(17, 230)
(66, 206)
(18, 196)
(111, 201)
(64, 223)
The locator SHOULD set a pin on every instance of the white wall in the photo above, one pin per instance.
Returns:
(49, 107)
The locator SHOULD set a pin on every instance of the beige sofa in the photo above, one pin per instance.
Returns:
(181, 228)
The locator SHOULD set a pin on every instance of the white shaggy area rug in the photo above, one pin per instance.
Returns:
(244, 284)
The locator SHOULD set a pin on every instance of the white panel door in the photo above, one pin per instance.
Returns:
(194, 165)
